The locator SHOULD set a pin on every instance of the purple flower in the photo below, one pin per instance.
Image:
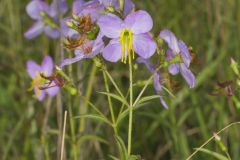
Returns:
(157, 79)
(177, 47)
(96, 7)
(87, 49)
(128, 36)
(46, 18)
(36, 71)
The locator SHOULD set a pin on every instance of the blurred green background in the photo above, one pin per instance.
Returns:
(30, 129)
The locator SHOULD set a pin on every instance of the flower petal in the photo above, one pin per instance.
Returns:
(67, 31)
(186, 57)
(71, 60)
(33, 68)
(162, 101)
(94, 8)
(108, 3)
(158, 87)
(139, 22)
(171, 40)
(34, 30)
(35, 7)
(53, 91)
(51, 32)
(78, 6)
(47, 65)
(57, 7)
(110, 25)
(147, 63)
(187, 75)
(173, 68)
(144, 45)
(40, 94)
(128, 7)
(113, 51)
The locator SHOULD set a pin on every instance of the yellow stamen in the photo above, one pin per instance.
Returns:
(126, 39)
(36, 83)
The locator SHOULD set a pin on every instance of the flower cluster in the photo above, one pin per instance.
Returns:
(111, 31)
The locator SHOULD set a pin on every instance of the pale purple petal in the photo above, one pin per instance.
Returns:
(113, 51)
(186, 57)
(41, 94)
(144, 45)
(47, 66)
(78, 6)
(67, 31)
(171, 40)
(51, 32)
(94, 8)
(139, 22)
(163, 103)
(53, 91)
(187, 75)
(34, 30)
(110, 25)
(57, 7)
(35, 7)
(156, 83)
(158, 87)
(71, 60)
(108, 3)
(173, 68)
(147, 63)
(128, 7)
(33, 69)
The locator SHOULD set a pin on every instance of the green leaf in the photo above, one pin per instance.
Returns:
(147, 98)
(113, 158)
(93, 106)
(122, 148)
(92, 137)
(123, 100)
(214, 154)
(126, 112)
(95, 117)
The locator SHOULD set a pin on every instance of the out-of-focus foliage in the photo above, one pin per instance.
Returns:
(30, 129)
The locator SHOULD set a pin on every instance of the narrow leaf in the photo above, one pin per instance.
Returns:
(95, 117)
(123, 100)
(214, 154)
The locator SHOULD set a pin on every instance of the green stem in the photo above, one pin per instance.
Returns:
(84, 108)
(72, 129)
(130, 107)
(74, 151)
(110, 104)
(211, 138)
